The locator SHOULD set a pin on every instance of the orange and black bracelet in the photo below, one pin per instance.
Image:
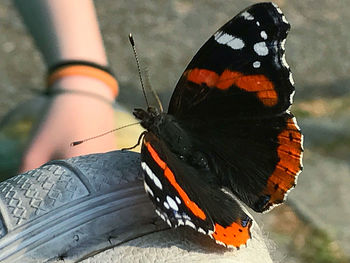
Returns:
(82, 68)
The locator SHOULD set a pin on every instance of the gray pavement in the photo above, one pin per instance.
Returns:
(168, 33)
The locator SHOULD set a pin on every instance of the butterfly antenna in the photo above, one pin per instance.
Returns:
(102, 134)
(132, 42)
(155, 95)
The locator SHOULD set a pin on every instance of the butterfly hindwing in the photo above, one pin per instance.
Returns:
(189, 198)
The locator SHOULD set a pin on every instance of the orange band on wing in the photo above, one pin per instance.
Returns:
(171, 178)
(289, 152)
(233, 235)
(258, 84)
(202, 76)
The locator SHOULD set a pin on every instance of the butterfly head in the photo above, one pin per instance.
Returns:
(147, 117)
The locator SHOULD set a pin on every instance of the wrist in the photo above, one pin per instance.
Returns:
(82, 86)
(82, 76)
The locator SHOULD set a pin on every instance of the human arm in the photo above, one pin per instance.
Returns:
(68, 30)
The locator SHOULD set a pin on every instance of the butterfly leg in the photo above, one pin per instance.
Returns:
(137, 144)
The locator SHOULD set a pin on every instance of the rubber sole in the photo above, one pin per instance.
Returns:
(71, 209)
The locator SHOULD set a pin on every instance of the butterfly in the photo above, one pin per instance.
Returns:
(228, 134)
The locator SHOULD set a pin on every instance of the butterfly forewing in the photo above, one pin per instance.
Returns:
(240, 71)
(235, 95)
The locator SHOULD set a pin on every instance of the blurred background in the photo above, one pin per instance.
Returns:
(314, 226)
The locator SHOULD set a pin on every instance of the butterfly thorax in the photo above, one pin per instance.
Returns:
(174, 133)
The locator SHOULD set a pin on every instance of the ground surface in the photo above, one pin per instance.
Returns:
(315, 226)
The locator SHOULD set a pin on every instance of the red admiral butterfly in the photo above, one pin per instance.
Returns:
(228, 129)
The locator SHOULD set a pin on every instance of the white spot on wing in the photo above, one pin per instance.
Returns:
(277, 8)
(229, 40)
(166, 205)
(220, 243)
(148, 189)
(184, 216)
(151, 175)
(201, 230)
(261, 49)
(257, 23)
(284, 19)
(190, 224)
(256, 64)
(177, 200)
(263, 34)
(172, 203)
(247, 16)
(281, 13)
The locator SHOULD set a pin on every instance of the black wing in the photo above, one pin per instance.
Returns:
(234, 98)
(184, 195)
(240, 71)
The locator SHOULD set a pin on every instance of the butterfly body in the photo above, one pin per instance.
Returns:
(176, 135)
(228, 133)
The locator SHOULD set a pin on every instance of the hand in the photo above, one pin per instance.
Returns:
(73, 116)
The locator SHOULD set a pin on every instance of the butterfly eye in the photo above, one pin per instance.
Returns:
(152, 111)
